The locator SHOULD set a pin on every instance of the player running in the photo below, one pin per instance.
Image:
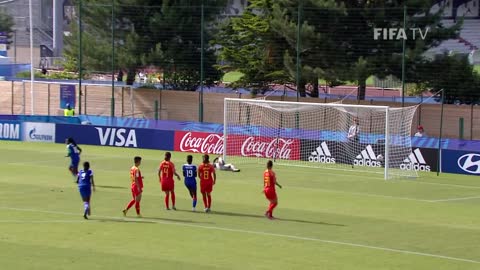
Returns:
(74, 152)
(190, 174)
(136, 187)
(270, 181)
(165, 175)
(208, 177)
(85, 185)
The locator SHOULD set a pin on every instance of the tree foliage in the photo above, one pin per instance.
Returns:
(248, 44)
(165, 34)
(6, 24)
(455, 75)
(336, 40)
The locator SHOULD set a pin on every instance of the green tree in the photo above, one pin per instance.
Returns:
(455, 75)
(6, 24)
(337, 37)
(165, 34)
(249, 45)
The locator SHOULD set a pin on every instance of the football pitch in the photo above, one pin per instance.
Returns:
(325, 219)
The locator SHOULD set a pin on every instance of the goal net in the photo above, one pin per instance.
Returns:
(335, 136)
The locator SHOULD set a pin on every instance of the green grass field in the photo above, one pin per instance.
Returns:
(326, 219)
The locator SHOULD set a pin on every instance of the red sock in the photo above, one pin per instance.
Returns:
(173, 198)
(130, 204)
(271, 207)
(137, 207)
(205, 200)
(209, 197)
(167, 198)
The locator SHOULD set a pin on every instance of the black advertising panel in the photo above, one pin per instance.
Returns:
(366, 155)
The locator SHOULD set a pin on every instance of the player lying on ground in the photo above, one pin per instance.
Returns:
(220, 164)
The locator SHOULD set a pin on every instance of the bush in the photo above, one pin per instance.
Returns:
(147, 86)
(26, 75)
(63, 75)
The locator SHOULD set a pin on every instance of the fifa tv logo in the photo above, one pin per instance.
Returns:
(399, 33)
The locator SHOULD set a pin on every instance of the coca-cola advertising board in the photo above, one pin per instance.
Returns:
(238, 145)
(198, 142)
(263, 147)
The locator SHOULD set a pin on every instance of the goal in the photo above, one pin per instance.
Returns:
(374, 139)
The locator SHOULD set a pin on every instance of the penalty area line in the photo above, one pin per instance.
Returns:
(456, 199)
(311, 239)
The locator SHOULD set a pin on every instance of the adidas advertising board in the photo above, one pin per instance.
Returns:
(415, 161)
(367, 158)
(321, 154)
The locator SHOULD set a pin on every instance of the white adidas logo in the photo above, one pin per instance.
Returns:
(367, 158)
(415, 161)
(321, 154)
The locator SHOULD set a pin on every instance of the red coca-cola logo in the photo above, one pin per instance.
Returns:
(198, 142)
(270, 148)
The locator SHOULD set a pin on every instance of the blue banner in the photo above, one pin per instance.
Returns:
(116, 136)
(10, 130)
(67, 95)
(461, 162)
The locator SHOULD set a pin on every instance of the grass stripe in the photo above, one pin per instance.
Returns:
(302, 238)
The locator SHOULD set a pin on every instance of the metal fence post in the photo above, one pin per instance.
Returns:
(460, 127)
(48, 98)
(13, 86)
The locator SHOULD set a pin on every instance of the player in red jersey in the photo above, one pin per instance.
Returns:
(165, 175)
(208, 177)
(269, 183)
(137, 187)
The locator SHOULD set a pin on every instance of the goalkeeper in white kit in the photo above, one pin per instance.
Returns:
(220, 164)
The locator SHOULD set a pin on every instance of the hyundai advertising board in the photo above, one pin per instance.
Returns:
(461, 162)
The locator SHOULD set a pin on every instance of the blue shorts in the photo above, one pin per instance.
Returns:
(191, 185)
(85, 191)
(74, 164)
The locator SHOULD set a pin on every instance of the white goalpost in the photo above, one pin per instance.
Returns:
(363, 138)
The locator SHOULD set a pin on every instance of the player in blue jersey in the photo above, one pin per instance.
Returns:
(190, 172)
(85, 185)
(74, 153)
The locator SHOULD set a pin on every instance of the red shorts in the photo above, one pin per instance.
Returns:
(206, 187)
(135, 191)
(270, 194)
(167, 185)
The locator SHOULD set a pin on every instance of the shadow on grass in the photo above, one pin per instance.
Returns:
(112, 187)
(231, 214)
(152, 220)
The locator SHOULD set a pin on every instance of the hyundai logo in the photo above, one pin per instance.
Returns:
(470, 163)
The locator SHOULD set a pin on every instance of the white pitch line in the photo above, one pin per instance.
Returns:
(263, 234)
(456, 199)
(41, 221)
